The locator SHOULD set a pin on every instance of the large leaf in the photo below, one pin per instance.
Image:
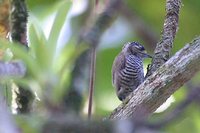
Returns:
(21, 53)
(57, 25)
(38, 45)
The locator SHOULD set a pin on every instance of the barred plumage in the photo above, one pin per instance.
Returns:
(127, 70)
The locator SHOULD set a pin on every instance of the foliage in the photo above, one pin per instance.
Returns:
(49, 72)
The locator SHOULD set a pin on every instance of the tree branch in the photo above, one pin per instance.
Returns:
(192, 96)
(18, 32)
(170, 28)
(104, 20)
(73, 124)
(70, 122)
(157, 88)
(76, 91)
(67, 123)
(18, 21)
(81, 68)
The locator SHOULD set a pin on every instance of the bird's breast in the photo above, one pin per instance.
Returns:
(132, 74)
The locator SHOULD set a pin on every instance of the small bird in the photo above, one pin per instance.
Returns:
(127, 69)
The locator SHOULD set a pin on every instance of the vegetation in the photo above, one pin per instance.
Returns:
(57, 62)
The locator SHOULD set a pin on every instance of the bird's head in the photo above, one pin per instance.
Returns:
(137, 49)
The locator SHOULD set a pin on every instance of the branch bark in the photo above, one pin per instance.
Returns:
(76, 91)
(18, 21)
(157, 88)
(18, 32)
(73, 124)
(104, 20)
(91, 38)
(174, 115)
(163, 47)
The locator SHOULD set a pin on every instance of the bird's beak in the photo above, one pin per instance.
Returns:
(145, 55)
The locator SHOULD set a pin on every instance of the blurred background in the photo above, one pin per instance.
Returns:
(64, 22)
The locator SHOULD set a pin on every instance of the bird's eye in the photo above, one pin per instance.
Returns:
(138, 46)
(142, 48)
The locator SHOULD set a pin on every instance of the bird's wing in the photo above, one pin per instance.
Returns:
(118, 65)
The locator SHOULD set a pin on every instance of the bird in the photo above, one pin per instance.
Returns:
(127, 69)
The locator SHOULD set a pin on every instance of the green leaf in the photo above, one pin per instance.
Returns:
(38, 45)
(29, 123)
(30, 62)
(41, 8)
(21, 53)
(57, 25)
(64, 64)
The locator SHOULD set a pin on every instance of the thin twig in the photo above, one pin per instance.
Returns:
(92, 80)
(163, 47)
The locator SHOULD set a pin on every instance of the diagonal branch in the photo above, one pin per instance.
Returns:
(192, 96)
(104, 20)
(161, 84)
(92, 38)
(170, 28)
